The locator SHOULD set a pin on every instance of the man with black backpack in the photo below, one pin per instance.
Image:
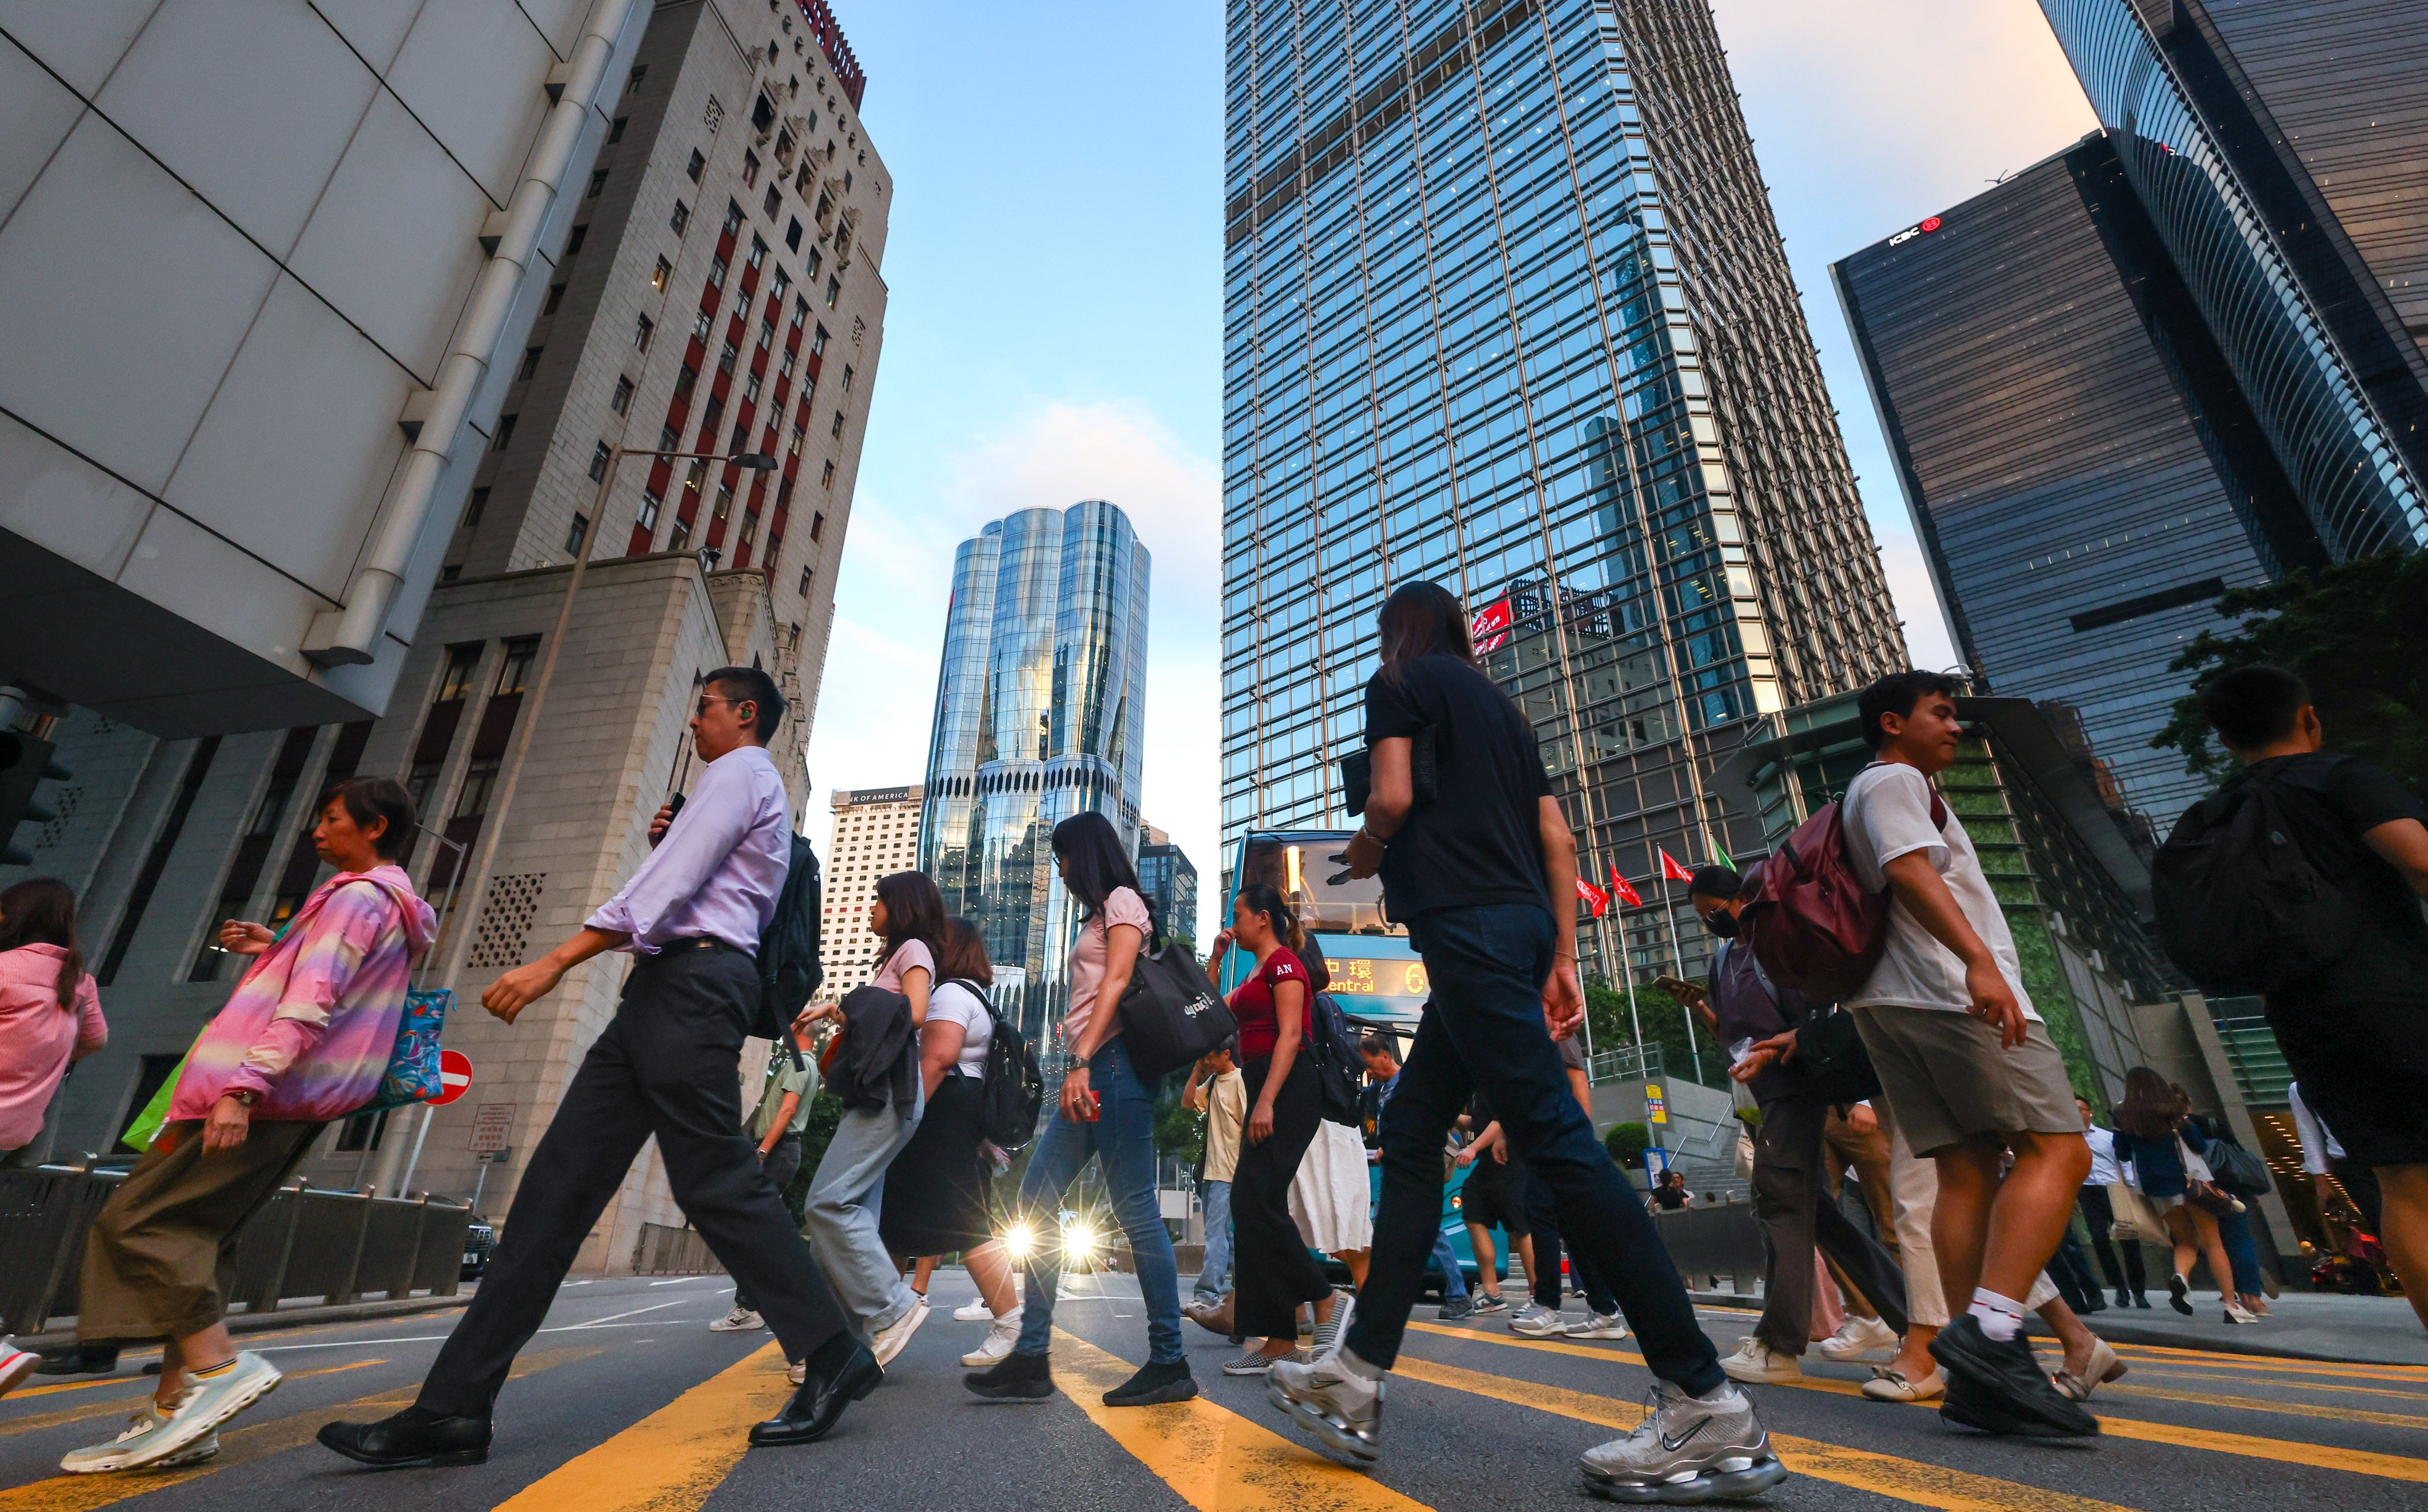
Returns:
(2351, 1013)
(667, 1066)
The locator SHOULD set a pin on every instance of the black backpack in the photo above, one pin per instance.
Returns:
(789, 970)
(2240, 908)
(1013, 1094)
(1339, 1068)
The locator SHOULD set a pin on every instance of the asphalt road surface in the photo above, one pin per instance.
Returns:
(625, 1401)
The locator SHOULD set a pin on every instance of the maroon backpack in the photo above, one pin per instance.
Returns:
(1813, 925)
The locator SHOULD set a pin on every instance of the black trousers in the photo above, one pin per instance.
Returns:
(1274, 1270)
(1791, 1200)
(668, 1065)
(1543, 1221)
(780, 1165)
(2099, 1215)
(1484, 1029)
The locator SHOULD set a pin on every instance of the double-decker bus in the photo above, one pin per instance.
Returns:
(1376, 976)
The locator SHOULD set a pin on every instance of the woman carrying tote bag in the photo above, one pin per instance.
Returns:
(2149, 1133)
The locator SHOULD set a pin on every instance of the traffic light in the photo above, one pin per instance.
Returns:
(25, 764)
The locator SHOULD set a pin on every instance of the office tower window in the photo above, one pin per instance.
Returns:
(665, 271)
(681, 219)
(576, 533)
(479, 502)
(648, 517)
(599, 460)
(597, 184)
(623, 397)
(505, 430)
(555, 298)
(531, 365)
(643, 329)
(692, 169)
(575, 238)
(616, 128)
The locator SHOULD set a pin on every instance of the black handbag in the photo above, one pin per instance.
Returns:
(1424, 772)
(1170, 1015)
(2238, 1169)
(1831, 1050)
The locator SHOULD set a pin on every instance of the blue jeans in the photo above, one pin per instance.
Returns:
(1214, 1273)
(1484, 1030)
(1453, 1278)
(1124, 1138)
(2241, 1252)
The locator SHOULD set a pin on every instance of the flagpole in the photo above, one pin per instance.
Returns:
(1669, 911)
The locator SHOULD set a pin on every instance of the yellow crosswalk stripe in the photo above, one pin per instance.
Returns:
(1907, 1480)
(2144, 1370)
(2290, 1409)
(673, 1457)
(2137, 1354)
(2284, 1451)
(113, 1405)
(1212, 1456)
(237, 1446)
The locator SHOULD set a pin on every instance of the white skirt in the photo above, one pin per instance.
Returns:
(1330, 1199)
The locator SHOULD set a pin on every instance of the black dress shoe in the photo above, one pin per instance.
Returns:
(80, 1359)
(2004, 1382)
(416, 1438)
(839, 1375)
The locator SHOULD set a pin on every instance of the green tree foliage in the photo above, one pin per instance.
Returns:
(1627, 1143)
(825, 1111)
(2356, 632)
(1664, 1024)
(1177, 1131)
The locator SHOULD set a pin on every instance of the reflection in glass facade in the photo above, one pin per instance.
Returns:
(1039, 715)
(2329, 436)
(1506, 309)
(2084, 476)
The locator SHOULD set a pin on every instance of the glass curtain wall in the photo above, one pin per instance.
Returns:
(1505, 308)
(1038, 711)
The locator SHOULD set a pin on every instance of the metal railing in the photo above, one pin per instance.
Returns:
(1714, 1242)
(1623, 1064)
(664, 1250)
(305, 1242)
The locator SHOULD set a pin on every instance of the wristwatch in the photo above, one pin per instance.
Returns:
(243, 1094)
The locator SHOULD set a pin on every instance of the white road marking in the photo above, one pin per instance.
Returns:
(613, 1316)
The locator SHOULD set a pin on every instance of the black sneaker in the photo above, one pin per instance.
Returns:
(79, 1359)
(1152, 1385)
(1967, 1407)
(1014, 1377)
(2179, 1294)
(2125, 1298)
(2009, 1386)
(1453, 1308)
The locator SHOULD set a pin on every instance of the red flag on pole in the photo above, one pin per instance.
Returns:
(1670, 870)
(1595, 896)
(1621, 890)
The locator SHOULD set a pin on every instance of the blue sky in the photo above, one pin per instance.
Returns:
(1054, 329)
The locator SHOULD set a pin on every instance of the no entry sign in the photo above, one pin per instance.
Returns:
(454, 1077)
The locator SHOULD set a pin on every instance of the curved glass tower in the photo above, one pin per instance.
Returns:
(1038, 718)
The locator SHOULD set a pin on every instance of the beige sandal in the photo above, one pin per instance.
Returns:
(1889, 1384)
(2104, 1367)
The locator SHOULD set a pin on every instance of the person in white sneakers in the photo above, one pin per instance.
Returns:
(16, 1365)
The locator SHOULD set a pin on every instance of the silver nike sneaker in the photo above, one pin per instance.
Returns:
(1343, 1411)
(1686, 1451)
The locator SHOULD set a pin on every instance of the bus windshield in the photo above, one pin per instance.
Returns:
(1298, 864)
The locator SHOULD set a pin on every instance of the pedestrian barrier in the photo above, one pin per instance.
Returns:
(1714, 1242)
(664, 1250)
(337, 1246)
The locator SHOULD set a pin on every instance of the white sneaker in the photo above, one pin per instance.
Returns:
(1687, 1449)
(888, 1340)
(209, 1401)
(144, 1428)
(1856, 1337)
(1757, 1362)
(975, 1312)
(16, 1365)
(1326, 1398)
(1599, 1326)
(740, 1320)
(999, 1341)
(1536, 1321)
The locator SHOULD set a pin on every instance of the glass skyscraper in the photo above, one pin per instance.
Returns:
(1506, 309)
(1038, 711)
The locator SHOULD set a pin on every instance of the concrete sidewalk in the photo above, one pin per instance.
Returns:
(2305, 1325)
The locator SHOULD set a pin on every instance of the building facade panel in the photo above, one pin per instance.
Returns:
(1505, 308)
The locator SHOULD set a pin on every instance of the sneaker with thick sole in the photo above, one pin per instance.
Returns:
(1341, 1408)
(1686, 1451)
(1856, 1337)
(2003, 1385)
(1014, 1378)
(210, 1399)
(1599, 1326)
(740, 1320)
(144, 1428)
(887, 1341)
(998, 1343)
(1153, 1384)
(16, 1365)
(1755, 1361)
(1486, 1302)
(1536, 1321)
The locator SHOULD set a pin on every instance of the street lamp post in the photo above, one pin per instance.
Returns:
(527, 720)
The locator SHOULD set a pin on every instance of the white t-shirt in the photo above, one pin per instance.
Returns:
(952, 1003)
(1886, 815)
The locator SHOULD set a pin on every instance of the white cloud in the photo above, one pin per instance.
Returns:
(877, 702)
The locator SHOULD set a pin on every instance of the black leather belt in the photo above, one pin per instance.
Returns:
(698, 942)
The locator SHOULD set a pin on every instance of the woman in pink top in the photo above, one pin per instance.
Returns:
(49, 1012)
(1108, 1112)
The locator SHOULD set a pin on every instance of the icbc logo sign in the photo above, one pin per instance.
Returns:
(1912, 231)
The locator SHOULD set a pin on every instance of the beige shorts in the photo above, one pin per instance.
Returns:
(1950, 1081)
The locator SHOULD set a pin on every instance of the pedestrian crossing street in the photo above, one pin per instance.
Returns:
(1227, 1449)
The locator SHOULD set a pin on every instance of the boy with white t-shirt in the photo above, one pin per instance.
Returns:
(1963, 1060)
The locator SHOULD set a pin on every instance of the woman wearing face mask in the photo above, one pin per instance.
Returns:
(1107, 1113)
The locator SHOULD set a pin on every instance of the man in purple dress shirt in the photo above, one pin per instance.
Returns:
(667, 1065)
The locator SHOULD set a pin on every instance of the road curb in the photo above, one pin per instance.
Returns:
(2155, 1334)
(257, 1322)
